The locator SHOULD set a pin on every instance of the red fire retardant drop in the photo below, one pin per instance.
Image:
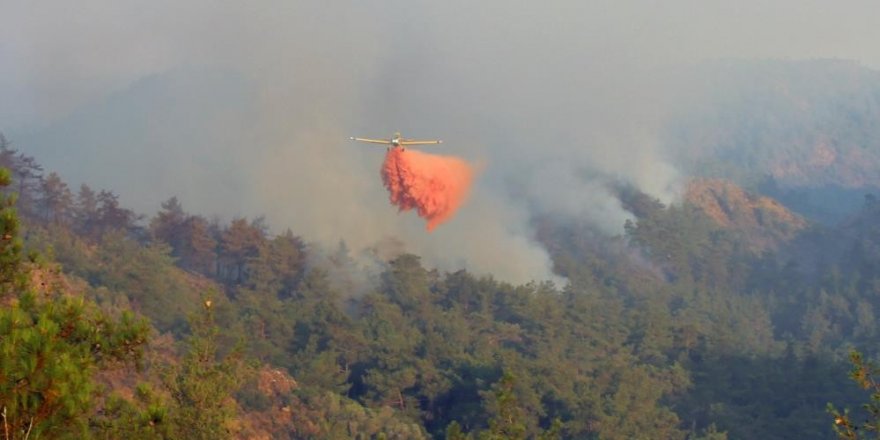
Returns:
(433, 185)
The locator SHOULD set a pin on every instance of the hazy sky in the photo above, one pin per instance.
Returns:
(246, 109)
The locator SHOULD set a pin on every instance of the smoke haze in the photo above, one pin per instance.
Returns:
(247, 109)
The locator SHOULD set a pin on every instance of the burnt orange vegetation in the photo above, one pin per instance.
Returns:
(435, 186)
(730, 206)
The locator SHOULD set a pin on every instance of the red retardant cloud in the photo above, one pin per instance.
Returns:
(435, 186)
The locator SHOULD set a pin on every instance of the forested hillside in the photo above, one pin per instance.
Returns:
(800, 123)
(803, 132)
(722, 316)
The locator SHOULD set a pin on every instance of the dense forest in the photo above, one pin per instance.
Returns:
(722, 316)
(732, 313)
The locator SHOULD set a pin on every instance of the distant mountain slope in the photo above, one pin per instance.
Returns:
(178, 132)
(826, 204)
(800, 123)
(764, 221)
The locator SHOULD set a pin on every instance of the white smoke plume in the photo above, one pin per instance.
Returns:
(244, 109)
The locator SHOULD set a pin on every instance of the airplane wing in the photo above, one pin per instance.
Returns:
(372, 141)
(415, 142)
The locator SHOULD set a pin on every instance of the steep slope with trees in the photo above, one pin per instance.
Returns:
(723, 316)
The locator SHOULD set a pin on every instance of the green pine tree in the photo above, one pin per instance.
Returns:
(865, 374)
(51, 344)
(203, 384)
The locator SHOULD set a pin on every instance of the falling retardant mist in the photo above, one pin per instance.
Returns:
(435, 186)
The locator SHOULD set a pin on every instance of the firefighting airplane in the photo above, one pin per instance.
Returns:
(396, 141)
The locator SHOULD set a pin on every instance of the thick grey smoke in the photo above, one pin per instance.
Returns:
(246, 109)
